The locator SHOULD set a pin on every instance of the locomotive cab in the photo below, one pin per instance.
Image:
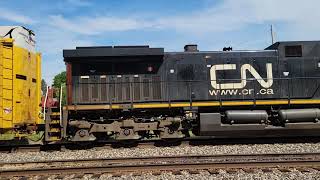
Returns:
(94, 68)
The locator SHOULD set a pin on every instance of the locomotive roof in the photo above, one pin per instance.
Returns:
(276, 45)
(145, 53)
(109, 52)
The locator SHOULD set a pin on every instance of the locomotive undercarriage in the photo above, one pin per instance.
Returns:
(133, 127)
(190, 123)
(130, 129)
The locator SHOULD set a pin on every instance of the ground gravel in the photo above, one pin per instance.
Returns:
(160, 151)
(259, 175)
(274, 175)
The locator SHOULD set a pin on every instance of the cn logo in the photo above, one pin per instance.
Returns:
(244, 68)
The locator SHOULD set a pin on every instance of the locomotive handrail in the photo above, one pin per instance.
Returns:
(45, 103)
(315, 91)
(191, 87)
(249, 79)
(60, 104)
(219, 52)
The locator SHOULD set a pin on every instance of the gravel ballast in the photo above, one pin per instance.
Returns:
(295, 175)
(275, 174)
(160, 151)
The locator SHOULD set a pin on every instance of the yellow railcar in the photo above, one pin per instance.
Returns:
(20, 85)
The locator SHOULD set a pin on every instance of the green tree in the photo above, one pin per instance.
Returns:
(58, 81)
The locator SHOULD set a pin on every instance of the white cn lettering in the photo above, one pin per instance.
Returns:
(245, 67)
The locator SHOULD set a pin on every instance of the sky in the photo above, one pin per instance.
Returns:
(212, 24)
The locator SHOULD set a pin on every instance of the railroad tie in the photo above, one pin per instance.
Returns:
(60, 177)
(156, 173)
(248, 170)
(316, 168)
(284, 169)
(79, 176)
(176, 172)
(303, 170)
(213, 171)
(43, 177)
(193, 171)
(23, 178)
(266, 170)
(117, 174)
(97, 175)
(232, 171)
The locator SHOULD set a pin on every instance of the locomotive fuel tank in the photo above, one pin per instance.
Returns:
(299, 115)
(246, 116)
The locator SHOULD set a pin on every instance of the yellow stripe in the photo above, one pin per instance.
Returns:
(164, 105)
(202, 104)
(116, 106)
(302, 101)
(271, 102)
(236, 103)
(88, 107)
(205, 104)
(180, 104)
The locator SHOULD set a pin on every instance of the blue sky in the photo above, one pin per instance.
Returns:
(242, 24)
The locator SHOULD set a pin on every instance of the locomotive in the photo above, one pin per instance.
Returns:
(138, 92)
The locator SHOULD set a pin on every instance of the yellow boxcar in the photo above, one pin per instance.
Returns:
(20, 85)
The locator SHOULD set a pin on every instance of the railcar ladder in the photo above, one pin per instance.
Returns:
(53, 127)
(53, 121)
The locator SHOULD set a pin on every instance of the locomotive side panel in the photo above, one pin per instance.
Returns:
(243, 76)
(299, 68)
(197, 76)
(114, 79)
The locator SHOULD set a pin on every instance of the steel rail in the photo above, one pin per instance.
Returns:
(191, 141)
(171, 163)
(215, 157)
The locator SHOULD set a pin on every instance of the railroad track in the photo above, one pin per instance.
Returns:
(146, 144)
(155, 165)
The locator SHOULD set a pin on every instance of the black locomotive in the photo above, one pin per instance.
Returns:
(138, 92)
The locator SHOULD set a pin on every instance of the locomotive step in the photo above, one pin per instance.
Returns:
(54, 130)
(53, 122)
(55, 114)
(54, 138)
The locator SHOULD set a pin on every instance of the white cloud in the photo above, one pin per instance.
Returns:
(9, 15)
(234, 15)
(51, 42)
(297, 19)
(229, 15)
(96, 25)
